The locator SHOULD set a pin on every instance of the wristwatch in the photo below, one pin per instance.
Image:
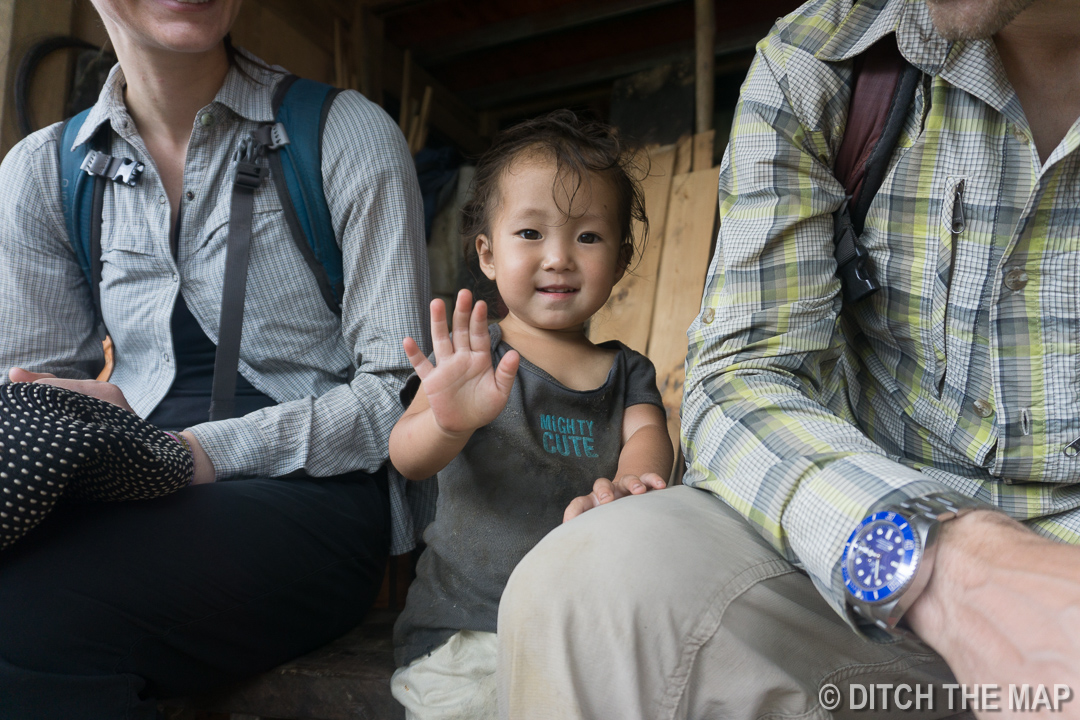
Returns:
(889, 557)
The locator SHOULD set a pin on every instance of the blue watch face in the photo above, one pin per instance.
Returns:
(880, 557)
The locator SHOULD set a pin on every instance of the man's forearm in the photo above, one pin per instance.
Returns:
(1003, 604)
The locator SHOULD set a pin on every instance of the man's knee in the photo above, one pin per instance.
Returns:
(604, 551)
(680, 545)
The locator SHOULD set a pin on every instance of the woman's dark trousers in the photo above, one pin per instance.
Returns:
(106, 608)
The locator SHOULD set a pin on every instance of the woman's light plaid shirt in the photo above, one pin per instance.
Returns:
(963, 372)
(336, 378)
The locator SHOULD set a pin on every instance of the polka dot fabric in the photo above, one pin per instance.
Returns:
(57, 444)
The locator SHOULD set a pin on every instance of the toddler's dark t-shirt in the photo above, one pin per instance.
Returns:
(509, 487)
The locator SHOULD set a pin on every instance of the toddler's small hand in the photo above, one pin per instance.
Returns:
(463, 389)
(604, 491)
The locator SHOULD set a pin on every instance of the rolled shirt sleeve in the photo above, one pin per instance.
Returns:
(766, 421)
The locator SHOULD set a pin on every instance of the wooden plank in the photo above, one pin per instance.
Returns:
(604, 70)
(464, 73)
(312, 18)
(405, 107)
(627, 315)
(704, 63)
(684, 155)
(703, 150)
(449, 115)
(418, 126)
(279, 41)
(341, 79)
(374, 34)
(362, 42)
(684, 262)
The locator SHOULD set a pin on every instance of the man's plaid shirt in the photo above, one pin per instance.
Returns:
(962, 372)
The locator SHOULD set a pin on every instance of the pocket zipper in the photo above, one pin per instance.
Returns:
(1072, 448)
(959, 224)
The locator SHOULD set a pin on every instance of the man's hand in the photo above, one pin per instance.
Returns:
(94, 388)
(462, 389)
(1003, 608)
(605, 491)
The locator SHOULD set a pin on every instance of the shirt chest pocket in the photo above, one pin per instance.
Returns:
(133, 222)
(267, 212)
(278, 273)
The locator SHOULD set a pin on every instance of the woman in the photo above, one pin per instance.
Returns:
(106, 608)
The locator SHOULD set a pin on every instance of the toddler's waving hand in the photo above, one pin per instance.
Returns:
(459, 394)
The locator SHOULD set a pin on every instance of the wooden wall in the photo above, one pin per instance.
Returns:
(22, 23)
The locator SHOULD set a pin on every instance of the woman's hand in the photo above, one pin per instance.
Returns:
(204, 466)
(605, 491)
(463, 390)
(94, 388)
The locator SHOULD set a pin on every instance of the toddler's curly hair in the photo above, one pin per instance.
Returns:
(579, 148)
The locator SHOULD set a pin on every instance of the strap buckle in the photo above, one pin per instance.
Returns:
(249, 150)
(272, 137)
(852, 259)
(121, 170)
(249, 174)
(855, 276)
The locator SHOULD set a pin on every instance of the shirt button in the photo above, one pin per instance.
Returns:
(165, 357)
(161, 199)
(1016, 279)
(190, 194)
(982, 408)
(1020, 135)
(708, 315)
(206, 119)
(175, 277)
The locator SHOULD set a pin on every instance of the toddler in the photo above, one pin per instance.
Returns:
(527, 423)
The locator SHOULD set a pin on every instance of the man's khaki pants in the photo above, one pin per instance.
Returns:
(668, 605)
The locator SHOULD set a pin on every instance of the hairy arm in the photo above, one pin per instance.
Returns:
(1003, 608)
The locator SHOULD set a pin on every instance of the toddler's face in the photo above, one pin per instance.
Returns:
(553, 271)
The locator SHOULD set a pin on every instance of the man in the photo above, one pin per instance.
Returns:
(950, 397)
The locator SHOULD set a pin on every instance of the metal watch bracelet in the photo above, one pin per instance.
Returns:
(924, 513)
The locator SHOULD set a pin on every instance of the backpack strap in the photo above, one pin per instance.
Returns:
(76, 190)
(883, 89)
(302, 106)
(82, 195)
(247, 178)
(293, 148)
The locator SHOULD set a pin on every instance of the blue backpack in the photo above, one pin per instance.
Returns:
(300, 106)
(293, 147)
